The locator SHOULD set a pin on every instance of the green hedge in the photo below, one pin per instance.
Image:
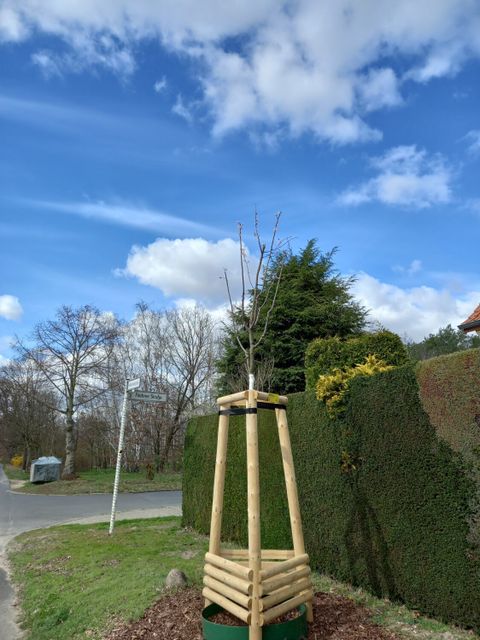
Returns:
(450, 392)
(199, 464)
(325, 354)
(402, 526)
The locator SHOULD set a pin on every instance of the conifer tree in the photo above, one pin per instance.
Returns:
(313, 300)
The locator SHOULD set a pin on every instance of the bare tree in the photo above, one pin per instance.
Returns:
(27, 424)
(173, 352)
(70, 352)
(259, 287)
(191, 358)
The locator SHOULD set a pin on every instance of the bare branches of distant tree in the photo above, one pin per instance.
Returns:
(71, 353)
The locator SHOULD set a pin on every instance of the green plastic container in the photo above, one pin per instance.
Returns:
(294, 629)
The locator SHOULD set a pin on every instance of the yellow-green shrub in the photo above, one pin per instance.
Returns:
(325, 354)
(333, 387)
(17, 461)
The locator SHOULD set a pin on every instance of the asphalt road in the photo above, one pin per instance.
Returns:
(23, 512)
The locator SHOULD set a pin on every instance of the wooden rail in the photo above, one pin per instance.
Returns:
(282, 567)
(227, 604)
(267, 554)
(227, 578)
(285, 593)
(267, 586)
(231, 594)
(286, 606)
(227, 565)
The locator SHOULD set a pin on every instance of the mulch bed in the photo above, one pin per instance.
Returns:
(177, 617)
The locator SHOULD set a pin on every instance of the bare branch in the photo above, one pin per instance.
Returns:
(263, 293)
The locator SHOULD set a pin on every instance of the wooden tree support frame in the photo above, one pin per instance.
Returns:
(256, 585)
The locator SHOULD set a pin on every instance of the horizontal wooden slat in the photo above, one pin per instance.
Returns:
(228, 565)
(286, 606)
(263, 396)
(285, 593)
(234, 553)
(282, 580)
(228, 592)
(227, 604)
(266, 554)
(233, 397)
(281, 567)
(266, 564)
(266, 397)
(231, 581)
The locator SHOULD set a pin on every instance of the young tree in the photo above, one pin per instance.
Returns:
(313, 300)
(250, 316)
(71, 352)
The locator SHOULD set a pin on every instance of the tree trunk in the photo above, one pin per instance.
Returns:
(69, 468)
(25, 457)
(168, 444)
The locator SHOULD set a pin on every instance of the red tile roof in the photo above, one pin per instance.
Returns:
(472, 323)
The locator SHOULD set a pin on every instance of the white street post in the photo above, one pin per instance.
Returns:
(133, 384)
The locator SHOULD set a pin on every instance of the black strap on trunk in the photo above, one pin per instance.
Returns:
(241, 411)
(270, 405)
(237, 411)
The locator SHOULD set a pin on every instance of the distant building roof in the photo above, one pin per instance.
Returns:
(472, 323)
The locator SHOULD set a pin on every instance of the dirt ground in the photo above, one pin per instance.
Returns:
(177, 617)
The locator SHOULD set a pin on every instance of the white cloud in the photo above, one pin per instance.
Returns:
(311, 66)
(160, 85)
(473, 138)
(48, 65)
(181, 110)
(190, 268)
(413, 312)
(406, 177)
(10, 307)
(12, 26)
(89, 52)
(413, 268)
(218, 313)
(128, 215)
(380, 89)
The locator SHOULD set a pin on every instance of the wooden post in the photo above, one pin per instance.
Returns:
(292, 493)
(244, 581)
(254, 541)
(218, 486)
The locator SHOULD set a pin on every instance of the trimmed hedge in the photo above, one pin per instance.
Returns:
(325, 354)
(449, 387)
(199, 466)
(400, 526)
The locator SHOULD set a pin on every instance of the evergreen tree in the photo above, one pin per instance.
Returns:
(313, 301)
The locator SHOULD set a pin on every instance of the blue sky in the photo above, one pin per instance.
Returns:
(134, 138)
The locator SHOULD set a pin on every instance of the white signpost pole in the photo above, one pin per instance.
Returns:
(133, 384)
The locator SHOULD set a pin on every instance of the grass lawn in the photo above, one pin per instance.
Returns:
(76, 582)
(99, 481)
(14, 473)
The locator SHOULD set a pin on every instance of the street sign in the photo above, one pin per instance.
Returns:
(133, 384)
(149, 396)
